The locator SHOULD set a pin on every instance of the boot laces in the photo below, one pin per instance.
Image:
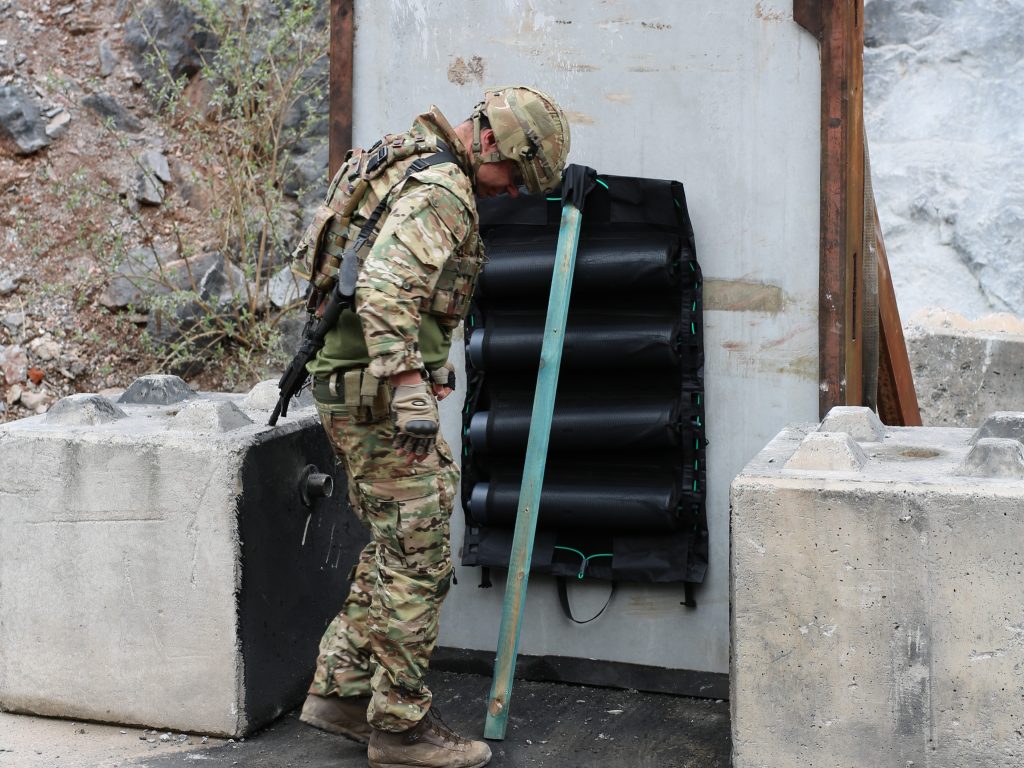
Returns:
(442, 729)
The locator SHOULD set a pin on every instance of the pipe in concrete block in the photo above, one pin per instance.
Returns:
(314, 484)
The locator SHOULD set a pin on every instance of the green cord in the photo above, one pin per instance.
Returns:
(552, 199)
(606, 187)
(586, 559)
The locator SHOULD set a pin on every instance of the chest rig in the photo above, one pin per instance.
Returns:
(365, 184)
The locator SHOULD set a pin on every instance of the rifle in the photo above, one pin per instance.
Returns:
(340, 298)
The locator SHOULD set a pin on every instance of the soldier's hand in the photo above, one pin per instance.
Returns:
(414, 411)
(443, 380)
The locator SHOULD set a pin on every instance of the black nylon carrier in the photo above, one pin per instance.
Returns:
(624, 487)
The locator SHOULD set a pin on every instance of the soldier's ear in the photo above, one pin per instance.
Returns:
(487, 141)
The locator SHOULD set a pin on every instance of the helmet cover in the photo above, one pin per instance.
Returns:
(530, 129)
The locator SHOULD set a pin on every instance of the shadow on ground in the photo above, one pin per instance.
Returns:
(552, 725)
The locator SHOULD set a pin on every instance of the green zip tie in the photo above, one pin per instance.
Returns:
(697, 446)
(692, 268)
(698, 421)
(698, 399)
(693, 328)
(678, 204)
(694, 307)
(605, 185)
(694, 486)
(696, 464)
(552, 199)
(586, 559)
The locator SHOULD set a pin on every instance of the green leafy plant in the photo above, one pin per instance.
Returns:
(259, 91)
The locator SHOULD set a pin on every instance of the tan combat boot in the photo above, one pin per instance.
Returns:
(429, 744)
(335, 714)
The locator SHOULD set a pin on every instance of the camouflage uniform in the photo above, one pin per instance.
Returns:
(381, 641)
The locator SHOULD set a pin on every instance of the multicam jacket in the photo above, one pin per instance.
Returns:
(416, 280)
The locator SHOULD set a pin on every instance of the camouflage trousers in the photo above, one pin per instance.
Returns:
(381, 642)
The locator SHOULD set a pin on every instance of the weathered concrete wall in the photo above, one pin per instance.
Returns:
(965, 370)
(877, 618)
(126, 591)
(687, 91)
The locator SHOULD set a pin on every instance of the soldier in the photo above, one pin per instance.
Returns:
(376, 382)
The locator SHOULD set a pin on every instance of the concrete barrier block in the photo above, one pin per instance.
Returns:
(827, 452)
(209, 416)
(1002, 424)
(876, 616)
(157, 389)
(162, 576)
(994, 457)
(265, 394)
(862, 424)
(83, 410)
(965, 370)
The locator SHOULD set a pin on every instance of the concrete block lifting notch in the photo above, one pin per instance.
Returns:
(876, 613)
(177, 534)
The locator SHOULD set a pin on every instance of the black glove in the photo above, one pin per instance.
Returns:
(577, 181)
(444, 376)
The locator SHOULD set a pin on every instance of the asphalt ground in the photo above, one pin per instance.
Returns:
(551, 725)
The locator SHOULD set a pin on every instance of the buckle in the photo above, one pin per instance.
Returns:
(377, 158)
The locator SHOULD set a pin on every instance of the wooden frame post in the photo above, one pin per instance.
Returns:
(838, 25)
(897, 398)
(340, 95)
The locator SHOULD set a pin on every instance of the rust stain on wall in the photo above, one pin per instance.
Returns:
(742, 296)
(619, 98)
(461, 71)
(769, 14)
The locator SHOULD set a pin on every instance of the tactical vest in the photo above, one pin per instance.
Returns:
(365, 179)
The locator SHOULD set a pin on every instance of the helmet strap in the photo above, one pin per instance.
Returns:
(479, 158)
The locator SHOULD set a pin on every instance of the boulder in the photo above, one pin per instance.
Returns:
(106, 107)
(20, 121)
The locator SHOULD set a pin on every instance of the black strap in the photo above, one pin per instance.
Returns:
(563, 598)
(485, 578)
(349, 272)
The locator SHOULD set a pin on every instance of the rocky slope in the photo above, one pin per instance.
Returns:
(944, 111)
(105, 206)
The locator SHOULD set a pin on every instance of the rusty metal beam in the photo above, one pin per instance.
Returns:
(838, 24)
(340, 122)
(897, 398)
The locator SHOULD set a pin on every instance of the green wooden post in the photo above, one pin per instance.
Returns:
(533, 474)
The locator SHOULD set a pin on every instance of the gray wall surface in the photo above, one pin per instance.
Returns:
(723, 97)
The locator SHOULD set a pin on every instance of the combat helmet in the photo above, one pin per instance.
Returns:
(530, 129)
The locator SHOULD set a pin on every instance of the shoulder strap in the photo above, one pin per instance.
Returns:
(349, 271)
